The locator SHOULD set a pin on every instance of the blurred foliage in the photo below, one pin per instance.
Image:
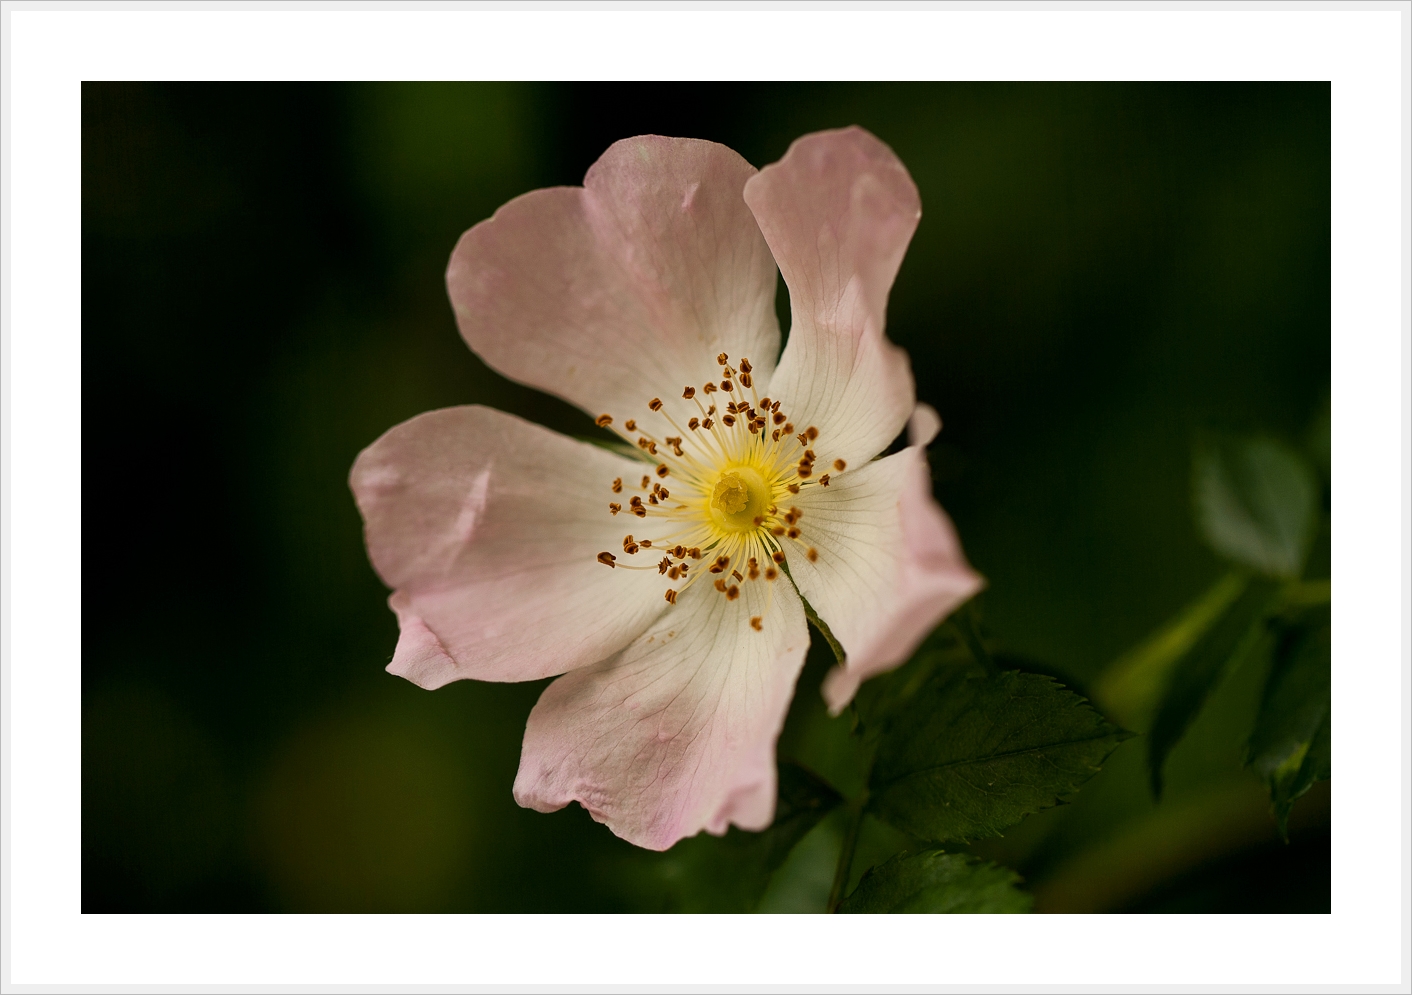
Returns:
(1103, 274)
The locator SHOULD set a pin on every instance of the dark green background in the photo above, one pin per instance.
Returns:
(1100, 273)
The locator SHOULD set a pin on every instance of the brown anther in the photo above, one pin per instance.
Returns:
(652, 449)
(664, 494)
(708, 388)
(630, 548)
(628, 540)
(721, 359)
(788, 428)
(731, 407)
(839, 465)
(775, 406)
(812, 432)
(777, 530)
(674, 573)
(754, 570)
(711, 410)
(694, 553)
(771, 573)
(745, 380)
(706, 424)
(664, 565)
(634, 501)
(645, 481)
(617, 485)
(671, 596)
(652, 499)
(662, 470)
(643, 442)
(630, 425)
(607, 559)
(745, 366)
(758, 521)
(678, 551)
(765, 404)
(645, 543)
(803, 439)
(689, 393)
(824, 480)
(777, 556)
(755, 622)
(798, 514)
(721, 586)
(804, 472)
(732, 593)
(809, 455)
(736, 575)
(792, 488)
(793, 533)
(694, 424)
(614, 508)
(640, 511)
(603, 421)
(728, 421)
(727, 385)
(775, 435)
(813, 554)
(655, 404)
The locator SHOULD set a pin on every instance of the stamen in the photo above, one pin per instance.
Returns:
(645, 481)
(607, 559)
(813, 554)
(736, 575)
(629, 546)
(613, 509)
(755, 623)
(839, 465)
(689, 393)
(745, 380)
(727, 385)
(708, 388)
(721, 359)
(732, 593)
(617, 485)
(664, 566)
(812, 432)
(671, 596)
(771, 573)
(745, 366)
(694, 424)
(655, 404)
(662, 470)
(777, 556)
(630, 425)
(603, 421)
(823, 482)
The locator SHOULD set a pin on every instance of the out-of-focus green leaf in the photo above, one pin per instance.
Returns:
(1289, 747)
(1255, 503)
(968, 755)
(1238, 633)
(1132, 686)
(729, 873)
(934, 881)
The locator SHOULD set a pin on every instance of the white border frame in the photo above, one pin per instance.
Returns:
(1363, 50)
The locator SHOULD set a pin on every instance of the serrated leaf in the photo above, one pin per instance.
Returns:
(971, 754)
(1255, 503)
(1235, 635)
(934, 881)
(729, 873)
(1289, 746)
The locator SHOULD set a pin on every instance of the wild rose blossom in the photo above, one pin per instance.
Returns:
(667, 590)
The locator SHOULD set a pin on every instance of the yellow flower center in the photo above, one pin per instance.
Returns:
(740, 499)
(717, 502)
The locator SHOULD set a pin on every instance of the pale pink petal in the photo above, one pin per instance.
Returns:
(677, 733)
(889, 565)
(489, 529)
(626, 288)
(838, 211)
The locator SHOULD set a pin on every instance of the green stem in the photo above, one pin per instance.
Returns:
(845, 855)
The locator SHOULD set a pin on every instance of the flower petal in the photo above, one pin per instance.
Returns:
(889, 565)
(838, 211)
(489, 528)
(676, 733)
(626, 288)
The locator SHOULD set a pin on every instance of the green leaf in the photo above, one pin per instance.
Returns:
(1255, 503)
(933, 881)
(729, 873)
(1289, 746)
(1132, 686)
(968, 754)
(1237, 634)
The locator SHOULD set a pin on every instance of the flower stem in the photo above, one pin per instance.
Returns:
(845, 855)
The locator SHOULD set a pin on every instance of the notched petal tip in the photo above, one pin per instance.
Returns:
(420, 657)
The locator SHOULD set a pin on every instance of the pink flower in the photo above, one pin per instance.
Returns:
(663, 588)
